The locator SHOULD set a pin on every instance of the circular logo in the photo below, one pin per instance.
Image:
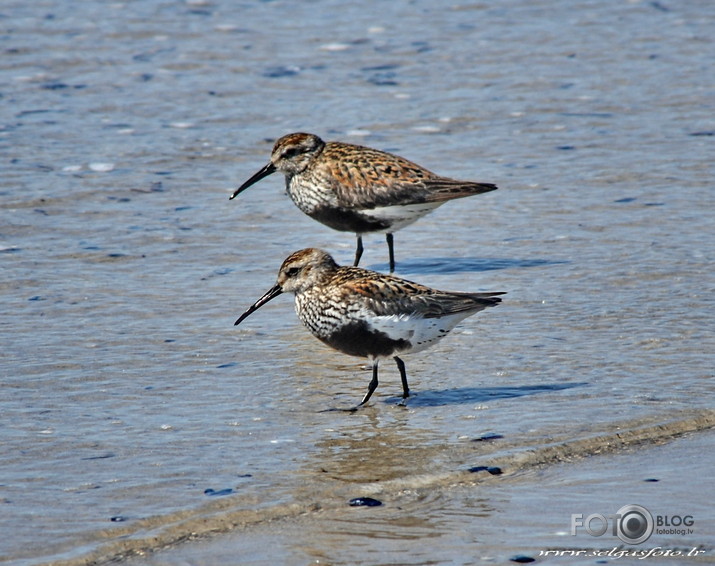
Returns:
(635, 524)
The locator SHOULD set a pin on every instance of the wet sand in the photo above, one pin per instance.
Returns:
(500, 520)
(515, 504)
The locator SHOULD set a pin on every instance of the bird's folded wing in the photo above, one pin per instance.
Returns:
(433, 304)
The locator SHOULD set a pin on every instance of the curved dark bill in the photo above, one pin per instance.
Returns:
(271, 294)
(267, 170)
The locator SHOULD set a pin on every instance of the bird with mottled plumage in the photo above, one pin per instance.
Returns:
(352, 188)
(368, 314)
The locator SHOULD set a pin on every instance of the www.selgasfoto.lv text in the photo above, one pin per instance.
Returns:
(619, 552)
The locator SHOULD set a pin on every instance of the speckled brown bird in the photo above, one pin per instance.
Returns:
(368, 314)
(358, 189)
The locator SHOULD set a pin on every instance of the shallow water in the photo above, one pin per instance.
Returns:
(491, 521)
(127, 392)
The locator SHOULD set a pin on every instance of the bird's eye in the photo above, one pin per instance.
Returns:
(291, 152)
(293, 271)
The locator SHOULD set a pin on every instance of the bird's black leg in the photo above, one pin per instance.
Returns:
(391, 250)
(373, 385)
(403, 376)
(358, 250)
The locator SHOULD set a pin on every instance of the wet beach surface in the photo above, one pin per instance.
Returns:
(496, 519)
(135, 416)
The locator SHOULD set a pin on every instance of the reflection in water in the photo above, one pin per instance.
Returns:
(379, 447)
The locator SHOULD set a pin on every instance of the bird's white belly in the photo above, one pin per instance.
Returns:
(420, 332)
(399, 216)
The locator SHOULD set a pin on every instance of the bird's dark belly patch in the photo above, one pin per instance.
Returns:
(356, 339)
(347, 220)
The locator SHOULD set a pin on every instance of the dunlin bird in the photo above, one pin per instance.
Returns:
(352, 188)
(369, 314)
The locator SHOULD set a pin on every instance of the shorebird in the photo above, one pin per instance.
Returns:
(368, 314)
(358, 189)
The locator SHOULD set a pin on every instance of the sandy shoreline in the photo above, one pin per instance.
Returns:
(528, 507)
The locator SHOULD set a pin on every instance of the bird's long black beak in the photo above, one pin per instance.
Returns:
(267, 170)
(271, 294)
